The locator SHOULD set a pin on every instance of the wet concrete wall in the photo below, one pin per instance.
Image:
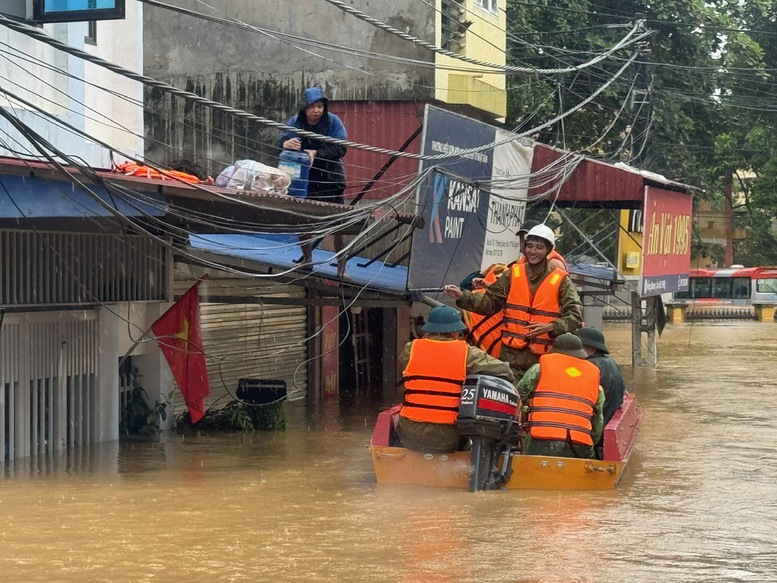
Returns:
(264, 73)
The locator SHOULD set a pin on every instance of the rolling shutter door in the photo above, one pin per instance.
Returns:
(250, 340)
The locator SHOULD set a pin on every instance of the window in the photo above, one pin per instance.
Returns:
(741, 288)
(700, 287)
(490, 5)
(91, 33)
(77, 10)
(454, 25)
(721, 288)
(766, 286)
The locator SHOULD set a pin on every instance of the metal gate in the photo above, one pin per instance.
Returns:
(48, 370)
(250, 340)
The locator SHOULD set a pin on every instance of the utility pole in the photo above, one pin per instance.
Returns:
(641, 106)
(645, 317)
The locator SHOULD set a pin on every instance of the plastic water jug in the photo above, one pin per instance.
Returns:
(297, 165)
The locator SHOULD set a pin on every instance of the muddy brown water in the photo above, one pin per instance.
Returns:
(698, 501)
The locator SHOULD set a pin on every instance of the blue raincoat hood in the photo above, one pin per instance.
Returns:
(313, 94)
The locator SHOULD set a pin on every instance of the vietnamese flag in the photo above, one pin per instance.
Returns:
(179, 337)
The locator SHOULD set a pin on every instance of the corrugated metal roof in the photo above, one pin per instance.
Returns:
(386, 124)
(591, 181)
(269, 210)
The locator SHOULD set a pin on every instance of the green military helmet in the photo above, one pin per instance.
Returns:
(527, 226)
(444, 319)
(592, 337)
(570, 345)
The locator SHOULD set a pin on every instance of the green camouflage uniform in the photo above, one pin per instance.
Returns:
(438, 437)
(495, 297)
(526, 387)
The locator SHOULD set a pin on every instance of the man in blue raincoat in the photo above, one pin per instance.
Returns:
(326, 180)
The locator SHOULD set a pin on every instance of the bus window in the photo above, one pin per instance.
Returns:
(700, 287)
(721, 288)
(741, 288)
(766, 286)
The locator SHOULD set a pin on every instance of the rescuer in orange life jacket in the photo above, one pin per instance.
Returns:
(555, 258)
(539, 302)
(485, 332)
(565, 402)
(435, 367)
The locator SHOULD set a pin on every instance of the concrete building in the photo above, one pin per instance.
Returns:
(76, 287)
(259, 56)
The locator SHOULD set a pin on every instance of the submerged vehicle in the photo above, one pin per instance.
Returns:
(489, 415)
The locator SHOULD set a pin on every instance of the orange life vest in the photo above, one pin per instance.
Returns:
(522, 309)
(562, 405)
(433, 380)
(552, 255)
(134, 169)
(485, 332)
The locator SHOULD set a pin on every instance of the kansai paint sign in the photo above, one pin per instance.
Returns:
(472, 202)
(666, 241)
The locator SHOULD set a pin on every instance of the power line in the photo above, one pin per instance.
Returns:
(630, 38)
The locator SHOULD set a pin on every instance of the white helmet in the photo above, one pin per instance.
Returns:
(542, 231)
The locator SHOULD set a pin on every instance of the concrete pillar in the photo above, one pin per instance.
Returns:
(676, 314)
(157, 378)
(764, 313)
(107, 422)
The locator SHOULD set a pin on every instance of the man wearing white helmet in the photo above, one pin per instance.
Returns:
(539, 302)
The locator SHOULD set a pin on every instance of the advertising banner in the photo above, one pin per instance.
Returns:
(666, 248)
(454, 207)
(468, 201)
(507, 202)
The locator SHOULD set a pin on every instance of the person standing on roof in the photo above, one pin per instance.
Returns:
(611, 377)
(326, 180)
(435, 367)
(539, 303)
(565, 402)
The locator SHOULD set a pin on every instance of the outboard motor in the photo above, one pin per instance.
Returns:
(489, 414)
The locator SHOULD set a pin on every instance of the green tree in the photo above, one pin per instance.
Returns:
(698, 104)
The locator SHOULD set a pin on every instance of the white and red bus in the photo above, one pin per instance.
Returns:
(734, 286)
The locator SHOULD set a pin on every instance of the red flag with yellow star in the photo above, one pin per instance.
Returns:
(179, 337)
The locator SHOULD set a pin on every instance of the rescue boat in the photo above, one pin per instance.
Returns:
(504, 466)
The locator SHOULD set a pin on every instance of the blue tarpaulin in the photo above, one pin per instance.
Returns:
(280, 251)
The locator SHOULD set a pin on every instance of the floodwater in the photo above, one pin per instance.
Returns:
(698, 501)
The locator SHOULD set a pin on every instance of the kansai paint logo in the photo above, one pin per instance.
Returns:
(456, 199)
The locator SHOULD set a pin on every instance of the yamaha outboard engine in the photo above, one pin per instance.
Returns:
(489, 414)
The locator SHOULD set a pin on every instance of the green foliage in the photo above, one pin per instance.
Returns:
(137, 417)
(246, 418)
(708, 72)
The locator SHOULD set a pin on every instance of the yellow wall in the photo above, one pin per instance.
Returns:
(630, 247)
(467, 84)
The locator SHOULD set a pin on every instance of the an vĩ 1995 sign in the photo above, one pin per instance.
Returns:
(666, 252)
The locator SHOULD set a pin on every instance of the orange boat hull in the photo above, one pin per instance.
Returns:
(397, 465)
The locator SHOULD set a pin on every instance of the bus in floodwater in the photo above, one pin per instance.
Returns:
(733, 287)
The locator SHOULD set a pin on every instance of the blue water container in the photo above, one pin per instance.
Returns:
(297, 165)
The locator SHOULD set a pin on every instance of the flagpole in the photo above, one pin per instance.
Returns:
(143, 336)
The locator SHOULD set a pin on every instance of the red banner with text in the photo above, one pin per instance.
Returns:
(666, 242)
